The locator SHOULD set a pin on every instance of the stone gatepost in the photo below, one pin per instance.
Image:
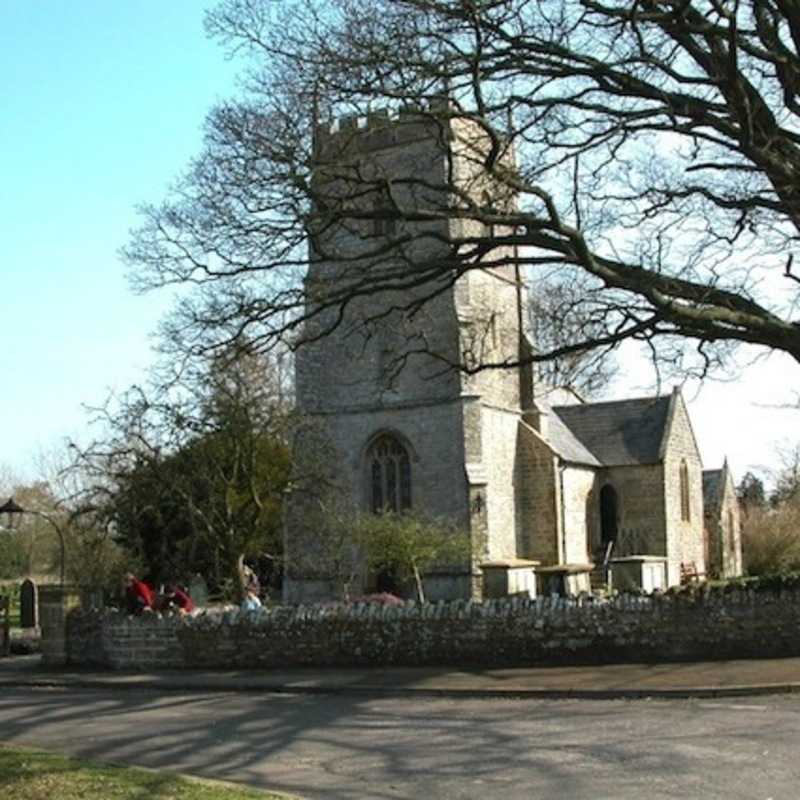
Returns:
(55, 602)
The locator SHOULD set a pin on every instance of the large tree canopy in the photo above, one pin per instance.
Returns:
(191, 473)
(652, 146)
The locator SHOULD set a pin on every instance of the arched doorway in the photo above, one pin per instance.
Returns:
(608, 515)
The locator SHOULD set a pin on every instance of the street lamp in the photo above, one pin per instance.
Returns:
(13, 511)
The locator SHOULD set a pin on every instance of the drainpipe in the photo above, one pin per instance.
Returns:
(562, 517)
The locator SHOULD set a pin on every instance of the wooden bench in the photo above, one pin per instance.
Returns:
(690, 573)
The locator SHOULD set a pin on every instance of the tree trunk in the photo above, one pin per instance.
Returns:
(418, 580)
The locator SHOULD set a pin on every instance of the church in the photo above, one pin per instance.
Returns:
(554, 495)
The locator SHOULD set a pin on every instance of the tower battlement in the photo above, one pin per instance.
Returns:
(383, 127)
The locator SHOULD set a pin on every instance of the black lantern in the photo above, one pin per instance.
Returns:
(13, 511)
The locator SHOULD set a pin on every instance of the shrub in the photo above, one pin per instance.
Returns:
(771, 540)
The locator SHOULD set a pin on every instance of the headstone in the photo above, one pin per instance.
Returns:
(198, 591)
(28, 604)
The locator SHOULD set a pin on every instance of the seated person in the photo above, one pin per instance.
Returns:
(139, 596)
(175, 599)
(250, 601)
(250, 580)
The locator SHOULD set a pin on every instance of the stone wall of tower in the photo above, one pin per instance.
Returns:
(374, 354)
(538, 497)
(578, 490)
(490, 301)
(499, 430)
(433, 436)
(378, 368)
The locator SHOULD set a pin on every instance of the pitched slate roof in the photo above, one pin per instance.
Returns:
(566, 444)
(620, 432)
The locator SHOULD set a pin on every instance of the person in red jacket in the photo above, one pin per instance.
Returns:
(176, 599)
(139, 596)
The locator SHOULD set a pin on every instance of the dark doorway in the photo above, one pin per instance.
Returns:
(608, 515)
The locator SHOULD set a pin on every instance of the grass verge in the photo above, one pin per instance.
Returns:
(33, 775)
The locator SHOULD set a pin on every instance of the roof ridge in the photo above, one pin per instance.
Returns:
(651, 398)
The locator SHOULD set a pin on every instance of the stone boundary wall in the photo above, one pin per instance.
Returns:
(509, 631)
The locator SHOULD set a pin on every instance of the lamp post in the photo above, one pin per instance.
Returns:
(13, 511)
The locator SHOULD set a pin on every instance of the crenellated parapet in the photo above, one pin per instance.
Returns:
(383, 127)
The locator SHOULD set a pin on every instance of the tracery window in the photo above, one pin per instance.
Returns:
(389, 474)
(686, 508)
(384, 226)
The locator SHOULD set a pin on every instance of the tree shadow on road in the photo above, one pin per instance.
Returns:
(345, 745)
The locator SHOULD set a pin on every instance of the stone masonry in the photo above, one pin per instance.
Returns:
(736, 624)
(406, 430)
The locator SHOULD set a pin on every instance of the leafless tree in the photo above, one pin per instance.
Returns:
(652, 147)
(561, 313)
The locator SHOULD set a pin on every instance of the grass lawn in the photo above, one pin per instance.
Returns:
(33, 775)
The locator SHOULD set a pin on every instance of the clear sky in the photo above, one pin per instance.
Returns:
(102, 105)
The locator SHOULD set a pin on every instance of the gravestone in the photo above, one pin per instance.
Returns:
(28, 604)
(198, 591)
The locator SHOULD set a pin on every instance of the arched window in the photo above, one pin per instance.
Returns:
(686, 506)
(731, 531)
(384, 204)
(389, 474)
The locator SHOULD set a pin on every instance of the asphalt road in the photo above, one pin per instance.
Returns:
(341, 746)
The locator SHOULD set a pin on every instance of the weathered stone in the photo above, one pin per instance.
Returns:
(502, 633)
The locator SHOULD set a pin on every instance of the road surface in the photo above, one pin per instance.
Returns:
(342, 746)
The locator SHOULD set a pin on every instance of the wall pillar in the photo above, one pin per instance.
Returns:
(55, 602)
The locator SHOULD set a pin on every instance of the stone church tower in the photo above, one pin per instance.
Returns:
(407, 429)
(401, 417)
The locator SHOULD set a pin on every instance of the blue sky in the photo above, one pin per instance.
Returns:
(102, 106)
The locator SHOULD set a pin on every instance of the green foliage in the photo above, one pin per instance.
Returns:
(200, 508)
(407, 545)
(769, 582)
(12, 591)
(193, 475)
(31, 775)
(12, 556)
(35, 536)
(95, 561)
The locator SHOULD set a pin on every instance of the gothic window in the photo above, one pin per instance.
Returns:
(383, 226)
(487, 207)
(686, 508)
(389, 475)
(731, 531)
